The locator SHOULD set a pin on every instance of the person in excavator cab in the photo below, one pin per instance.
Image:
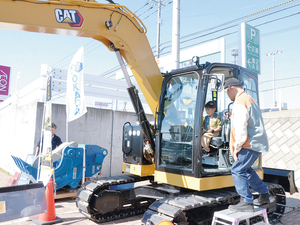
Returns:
(212, 125)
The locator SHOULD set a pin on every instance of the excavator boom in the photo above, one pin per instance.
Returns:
(111, 24)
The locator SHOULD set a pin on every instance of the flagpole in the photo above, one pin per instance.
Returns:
(67, 130)
(40, 145)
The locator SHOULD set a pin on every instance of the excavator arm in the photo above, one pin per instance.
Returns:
(111, 24)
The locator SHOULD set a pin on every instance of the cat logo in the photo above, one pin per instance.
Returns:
(72, 17)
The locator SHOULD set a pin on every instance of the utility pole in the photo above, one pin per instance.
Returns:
(176, 34)
(158, 29)
(273, 54)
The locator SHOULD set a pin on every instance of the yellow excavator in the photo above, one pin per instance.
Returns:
(166, 176)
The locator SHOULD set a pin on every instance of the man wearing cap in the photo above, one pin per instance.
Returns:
(55, 140)
(248, 139)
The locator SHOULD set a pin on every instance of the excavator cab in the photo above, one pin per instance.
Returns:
(177, 158)
(179, 125)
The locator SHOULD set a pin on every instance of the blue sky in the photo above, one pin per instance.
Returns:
(26, 51)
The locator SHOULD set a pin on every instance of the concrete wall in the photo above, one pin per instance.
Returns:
(283, 129)
(98, 126)
(21, 126)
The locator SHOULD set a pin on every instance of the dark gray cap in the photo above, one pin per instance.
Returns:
(232, 82)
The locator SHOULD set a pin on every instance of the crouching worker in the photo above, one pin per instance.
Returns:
(211, 127)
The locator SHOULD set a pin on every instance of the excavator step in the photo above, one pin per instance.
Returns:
(228, 216)
(166, 209)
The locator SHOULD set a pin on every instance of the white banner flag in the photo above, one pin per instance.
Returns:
(75, 88)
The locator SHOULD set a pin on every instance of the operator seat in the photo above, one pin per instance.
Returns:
(224, 135)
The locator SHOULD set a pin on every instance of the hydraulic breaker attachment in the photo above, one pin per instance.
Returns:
(31, 172)
(68, 164)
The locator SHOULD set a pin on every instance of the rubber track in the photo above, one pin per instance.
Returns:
(89, 190)
(206, 202)
(175, 209)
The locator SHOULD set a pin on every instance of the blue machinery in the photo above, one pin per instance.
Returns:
(68, 164)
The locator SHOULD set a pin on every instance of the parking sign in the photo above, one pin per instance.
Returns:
(249, 40)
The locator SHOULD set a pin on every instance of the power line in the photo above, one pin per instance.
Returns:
(294, 14)
(191, 39)
(226, 33)
(114, 69)
(57, 64)
(280, 88)
(216, 31)
(232, 44)
(280, 79)
(156, 10)
(235, 20)
(243, 17)
(229, 22)
(143, 6)
(151, 7)
(270, 8)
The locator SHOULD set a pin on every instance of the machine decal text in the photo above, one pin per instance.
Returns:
(72, 17)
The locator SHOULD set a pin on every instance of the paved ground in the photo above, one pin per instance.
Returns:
(67, 210)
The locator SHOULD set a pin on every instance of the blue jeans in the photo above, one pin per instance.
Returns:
(243, 175)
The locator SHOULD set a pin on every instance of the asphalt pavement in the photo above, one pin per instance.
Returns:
(66, 210)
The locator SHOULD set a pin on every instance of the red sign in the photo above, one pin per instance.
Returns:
(101, 103)
(4, 80)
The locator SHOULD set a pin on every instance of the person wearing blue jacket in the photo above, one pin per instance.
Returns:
(56, 141)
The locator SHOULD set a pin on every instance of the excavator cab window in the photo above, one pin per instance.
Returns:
(218, 159)
(222, 160)
(177, 125)
(250, 85)
(251, 88)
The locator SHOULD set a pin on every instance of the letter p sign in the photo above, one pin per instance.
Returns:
(253, 33)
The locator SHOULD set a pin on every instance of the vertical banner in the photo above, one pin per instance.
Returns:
(49, 91)
(4, 81)
(47, 142)
(75, 88)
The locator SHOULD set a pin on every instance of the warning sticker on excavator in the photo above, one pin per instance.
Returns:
(127, 168)
(2, 207)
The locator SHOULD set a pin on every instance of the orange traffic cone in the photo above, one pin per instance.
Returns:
(49, 217)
